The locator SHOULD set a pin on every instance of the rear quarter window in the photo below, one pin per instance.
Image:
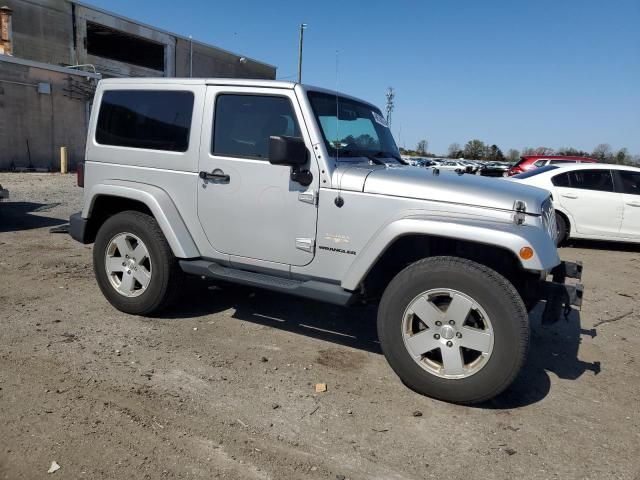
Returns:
(561, 180)
(149, 119)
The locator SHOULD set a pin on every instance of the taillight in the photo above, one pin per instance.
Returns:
(80, 174)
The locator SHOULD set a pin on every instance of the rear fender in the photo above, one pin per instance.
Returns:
(160, 205)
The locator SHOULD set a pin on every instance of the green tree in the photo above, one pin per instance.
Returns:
(474, 150)
(513, 155)
(454, 150)
(572, 152)
(622, 157)
(421, 148)
(603, 153)
(494, 154)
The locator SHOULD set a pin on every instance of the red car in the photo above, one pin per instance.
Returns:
(529, 162)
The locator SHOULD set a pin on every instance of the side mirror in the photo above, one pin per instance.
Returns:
(285, 150)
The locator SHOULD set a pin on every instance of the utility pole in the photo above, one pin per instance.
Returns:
(302, 28)
(390, 105)
(190, 56)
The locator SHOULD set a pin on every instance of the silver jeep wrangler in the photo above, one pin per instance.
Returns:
(301, 190)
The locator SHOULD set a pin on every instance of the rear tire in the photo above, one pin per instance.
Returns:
(468, 361)
(134, 265)
(562, 229)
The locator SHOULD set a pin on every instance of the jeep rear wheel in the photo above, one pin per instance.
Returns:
(134, 265)
(453, 329)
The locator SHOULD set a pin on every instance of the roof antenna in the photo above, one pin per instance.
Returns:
(339, 201)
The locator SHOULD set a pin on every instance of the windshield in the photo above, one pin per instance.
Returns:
(351, 128)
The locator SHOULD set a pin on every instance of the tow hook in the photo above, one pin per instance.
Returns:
(559, 295)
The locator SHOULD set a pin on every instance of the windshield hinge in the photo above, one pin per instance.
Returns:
(310, 196)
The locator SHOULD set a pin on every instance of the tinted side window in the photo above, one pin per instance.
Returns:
(630, 181)
(592, 180)
(558, 162)
(154, 119)
(540, 163)
(244, 123)
(561, 180)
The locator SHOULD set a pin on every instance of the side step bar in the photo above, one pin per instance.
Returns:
(321, 291)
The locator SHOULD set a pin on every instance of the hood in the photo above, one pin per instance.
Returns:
(447, 186)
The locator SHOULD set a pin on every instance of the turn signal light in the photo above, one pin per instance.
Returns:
(526, 253)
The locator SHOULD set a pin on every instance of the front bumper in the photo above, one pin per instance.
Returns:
(560, 296)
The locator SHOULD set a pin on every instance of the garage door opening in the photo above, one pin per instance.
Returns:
(117, 45)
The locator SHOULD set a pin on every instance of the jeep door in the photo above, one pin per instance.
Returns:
(249, 208)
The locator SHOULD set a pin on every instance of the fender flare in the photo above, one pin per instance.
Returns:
(161, 206)
(508, 236)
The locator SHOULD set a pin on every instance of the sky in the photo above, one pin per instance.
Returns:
(515, 73)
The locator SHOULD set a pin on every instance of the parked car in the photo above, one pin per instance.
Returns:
(4, 193)
(528, 162)
(454, 165)
(494, 169)
(269, 196)
(595, 201)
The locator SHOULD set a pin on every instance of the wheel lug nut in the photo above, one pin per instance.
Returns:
(129, 272)
(124, 264)
(451, 322)
(449, 343)
(459, 335)
(438, 323)
(437, 336)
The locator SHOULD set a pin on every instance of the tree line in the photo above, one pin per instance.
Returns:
(479, 150)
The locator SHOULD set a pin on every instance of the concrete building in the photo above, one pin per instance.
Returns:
(53, 52)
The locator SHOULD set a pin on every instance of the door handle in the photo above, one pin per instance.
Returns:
(569, 195)
(633, 204)
(217, 176)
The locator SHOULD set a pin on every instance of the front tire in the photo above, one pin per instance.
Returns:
(134, 266)
(453, 329)
(562, 229)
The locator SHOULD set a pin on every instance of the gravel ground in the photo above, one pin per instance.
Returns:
(223, 385)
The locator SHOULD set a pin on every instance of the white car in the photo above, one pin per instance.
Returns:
(595, 201)
(454, 165)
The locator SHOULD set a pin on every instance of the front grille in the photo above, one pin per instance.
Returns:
(549, 218)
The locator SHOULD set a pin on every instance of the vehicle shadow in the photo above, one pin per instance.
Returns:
(352, 327)
(602, 245)
(15, 216)
(554, 349)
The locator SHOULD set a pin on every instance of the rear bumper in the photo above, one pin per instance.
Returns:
(78, 228)
(560, 296)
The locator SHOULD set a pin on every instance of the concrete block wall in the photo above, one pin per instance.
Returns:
(42, 30)
(33, 126)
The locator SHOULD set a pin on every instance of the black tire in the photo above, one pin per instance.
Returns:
(562, 229)
(495, 294)
(166, 277)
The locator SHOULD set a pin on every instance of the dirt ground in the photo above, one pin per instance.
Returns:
(223, 385)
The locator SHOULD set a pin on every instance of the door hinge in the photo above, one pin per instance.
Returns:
(305, 244)
(310, 197)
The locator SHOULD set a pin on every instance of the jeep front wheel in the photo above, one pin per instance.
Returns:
(134, 266)
(453, 329)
